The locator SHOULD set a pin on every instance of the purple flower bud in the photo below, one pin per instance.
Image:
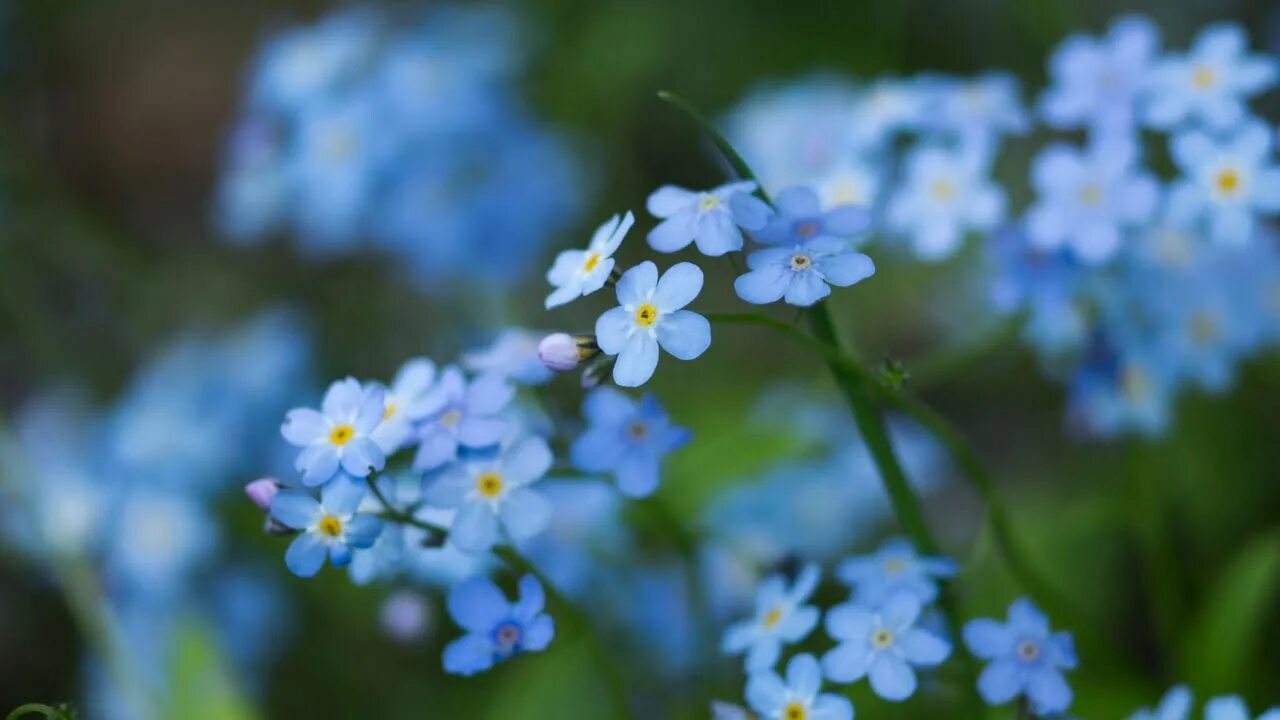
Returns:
(563, 352)
(261, 491)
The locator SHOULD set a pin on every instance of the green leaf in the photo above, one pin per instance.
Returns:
(203, 689)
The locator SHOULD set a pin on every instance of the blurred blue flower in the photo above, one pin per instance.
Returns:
(800, 218)
(1113, 392)
(800, 696)
(944, 195)
(1227, 182)
(1233, 707)
(158, 539)
(892, 570)
(1046, 285)
(303, 65)
(586, 537)
(407, 402)
(493, 497)
(702, 218)
(339, 434)
(780, 617)
(577, 273)
(1175, 705)
(513, 355)
(1026, 658)
(651, 314)
(978, 111)
(882, 643)
(329, 527)
(1097, 83)
(334, 169)
(803, 273)
(467, 416)
(1212, 82)
(496, 630)
(627, 439)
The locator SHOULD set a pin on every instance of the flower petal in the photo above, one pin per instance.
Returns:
(613, 329)
(305, 555)
(678, 287)
(303, 426)
(636, 284)
(637, 361)
(525, 513)
(294, 509)
(684, 334)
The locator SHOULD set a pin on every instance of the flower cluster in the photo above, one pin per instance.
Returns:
(1177, 703)
(401, 131)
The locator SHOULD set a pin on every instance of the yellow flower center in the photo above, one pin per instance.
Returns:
(389, 411)
(801, 262)
(773, 617)
(1028, 651)
(451, 418)
(593, 259)
(708, 202)
(330, 525)
(646, 315)
(942, 190)
(894, 565)
(341, 435)
(1228, 181)
(489, 484)
(882, 639)
(795, 711)
(1203, 77)
(1090, 194)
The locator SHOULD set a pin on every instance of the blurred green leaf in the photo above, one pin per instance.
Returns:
(202, 687)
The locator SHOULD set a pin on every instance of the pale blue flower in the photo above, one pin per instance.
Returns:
(1113, 392)
(493, 498)
(890, 106)
(407, 402)
(158, 540)
(799, 697)
(496, 629)
(306, 64)
(978, 111)
(703, 218)
(1097, 83)
(803, 273)
(892, 570)
(781, 616)
(576, 273)
(1229, 183)
(627, 439)
(329, 527)
(334, 168)
(1026, 658)
(1088, 199)
(340, 434)
(513, 354)
(800, 218)
(850, 182)
(946, 194)
(1233, 707)
(468, 417)
(1175, 705)
(882, 643)
(651, 315)
(1212, 82)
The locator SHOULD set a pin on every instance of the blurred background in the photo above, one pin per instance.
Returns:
(155, 326)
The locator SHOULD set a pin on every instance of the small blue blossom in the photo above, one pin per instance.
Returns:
(650, 314)
(329, 527)
(1228, 182)
(1212, 82)
(1233, 707)
(803, 273)
(1026, 659)
(1117, 391)
(851, 182)
(304, 65)
(576, 273)
(627, 439)
(466, 416)
(1087, 199)
(513, 354)
(493, 498)
(800, 218)
(894, 569)
(1043, 284)
(946, 194)
(339, 434)
(496, 629)
(408, 401)
(703, 218)
(1097, 83)
(799, 697)
(334, 168)
(780, 617)
(1175, 705)
(882, 644)
(978, 111)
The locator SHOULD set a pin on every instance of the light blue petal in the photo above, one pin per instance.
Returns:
(479, 432)
(475, 528)
(343, 495)
(608, 406)
(295, 509)
(766, 693)
(829, 706)
(637, 361)
(798, 202)
(764, 285)
(597, 450)
(892, 678)
(303, 426)
(669, 200)
(373, 408)
(763, 654)
(489, 394)
(845, 269)
(342, 400)
(1230, 707)
(798, 623)
(538, 634)
(363, 531)
(1049, 691)
(674, 233)
(532, 599)
(848, 662)
(528, 461)
(847, 621)
(678, 287)
(613, 329)
(477, 605)
(638, 473)
(684, 334)
(525, 513)
(449, 489)
(305, 555)
(923, 648)
(339, 554)
(999, 682)
(468, 655)
(362, 456)
(806, 288)
(438, 448)
(846, 221)
(635, 284)
(716, 234)
(750, 212)
(1025, 617)
(317, 464)
(989, 639)
(804, 676)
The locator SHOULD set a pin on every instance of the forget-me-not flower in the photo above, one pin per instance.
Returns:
(1233, 707)
(1212, 82)
(496, 629)
(329, 527)
(1175, 705)
(946, 194)
(576, 273)
(467, 417)
(406, 402)
(339, 434)
(703, 218)
(800, 218)
(626, 438)
(978, 110)
(1097, 83)
(803, 273)
(894, 569)
(882, 643)
(1229, 182)
(650, 314)
(1027, 658)
(493, 497)
(1087, 199)
(780, 617)
(799, 697)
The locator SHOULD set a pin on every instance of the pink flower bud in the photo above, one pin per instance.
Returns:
(261, 491)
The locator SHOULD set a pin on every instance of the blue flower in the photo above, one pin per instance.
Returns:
(496, 629)
(334, 168)
(408, 401)
(493, 497)
(650, 315)
(513, 354)
(339, 434)
(329, 527)
(892, 570)
(946, 194)
(703, 218)
(1097, 83)
(1228, 182)
(1233, 707)
(576, 273)
(1114, 391)
(803, 273)
(466, 417)
(800, 218)
(978, 111)
(1088, 198)
(306, 64)
(627, 439)
(883, 644)
(1212, 82)
(780, 617)
(1043, 284)
(796, 698)
(1175, 705)
(1026, 659)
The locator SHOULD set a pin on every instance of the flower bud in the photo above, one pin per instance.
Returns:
(261, 491)
(563, 352)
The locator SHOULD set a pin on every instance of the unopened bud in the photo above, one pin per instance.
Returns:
(261, 491)
(563, 352)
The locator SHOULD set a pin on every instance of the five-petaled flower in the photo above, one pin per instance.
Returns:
(406, 403)
(884, 644)
(894, 568)
(340, 434)
(703, 218)
(466, 415)
(650, 314)
(799, 218)
(1212, 82)
(799, 697)
(496, 629)
(626, 438)
(329, 527)
(1027, 658)
(780, 616)
(1228, 182)
(581, 272)
(802, 274)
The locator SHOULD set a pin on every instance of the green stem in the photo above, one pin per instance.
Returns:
(393, 514)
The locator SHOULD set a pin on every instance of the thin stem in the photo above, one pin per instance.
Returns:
(740, 166)
(402, 517)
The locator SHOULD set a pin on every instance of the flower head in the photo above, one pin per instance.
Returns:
(803, 273)
(576, 273)
(798, 697)
(626, 438)
(406, 403)
(1212, 82)
(1175, 705)
(329, 527)
(946, 194)
(650, 316)
(466, 416)
(894, 569)
(1026, 659)
(1233, 707)
(339, 434)
(884, 644)
(780, 616)
(800, 218)
(496, 629)
(1098, 82)
(703, 218)
(1228, 183)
